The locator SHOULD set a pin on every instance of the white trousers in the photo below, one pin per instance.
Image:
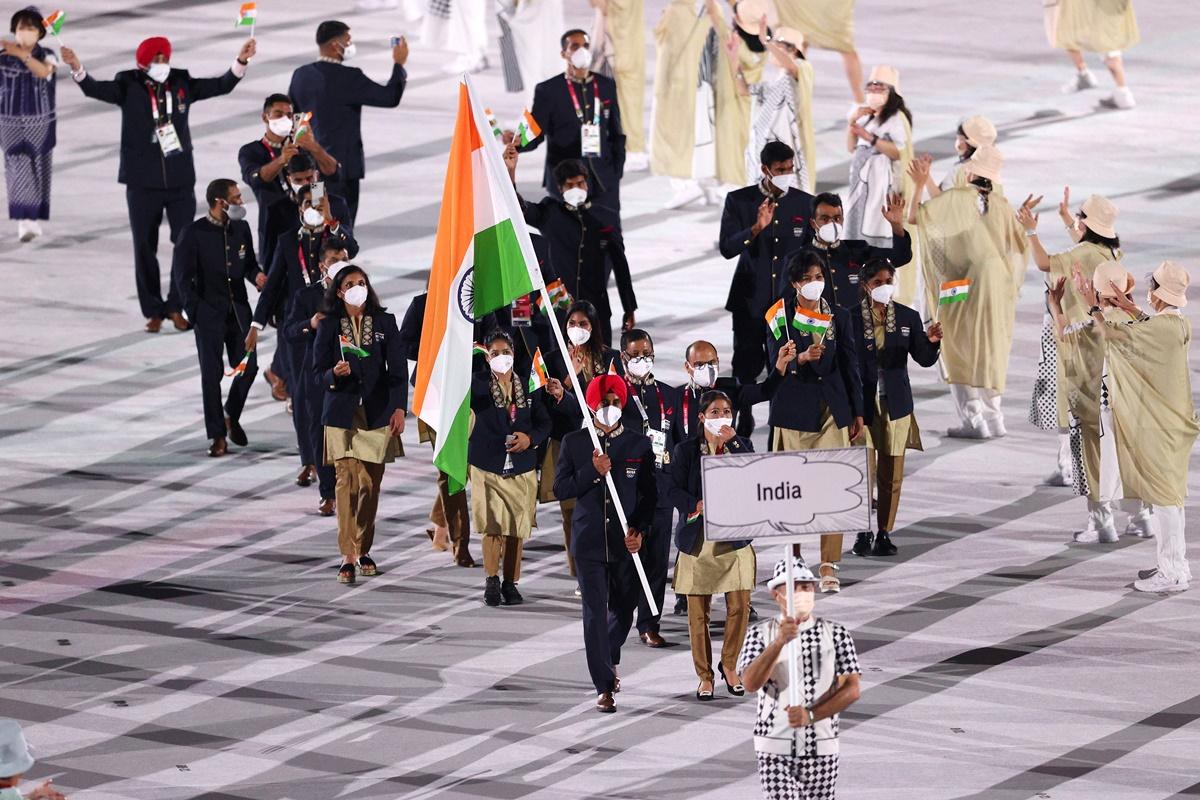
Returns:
(1167, 524)
(1110, 471)
(976, 405)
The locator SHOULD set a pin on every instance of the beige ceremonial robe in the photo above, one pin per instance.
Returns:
(909, 280)
(679, 38)
(1088, 255)
(1094, 26)
(805, 130)
(733, 113)
(990, 251)
(827, 24)
(1155, 421)
(626, 26)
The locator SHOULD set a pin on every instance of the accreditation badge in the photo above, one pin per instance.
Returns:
(658, 443)
(589, 136)
(168, 139)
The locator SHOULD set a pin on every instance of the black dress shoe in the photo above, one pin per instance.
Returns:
(326, 507)
(652, 639)
(883, 545)
(491, 591)
(510, 595)
(753, 613)
(862, 545)
(735, 689)
(680, 605)
(217, 448)
(236, 434)
(306, 475)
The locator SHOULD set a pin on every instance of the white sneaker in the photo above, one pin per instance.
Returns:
(1106, 534)
(1143, 574)
(24, 231)
(1160, 583)
(1121, 99)
(637, 162)
(689, 193)
(714, 195)
(969, 431)
(1139, 526)
(996, 427)
(1083, 80)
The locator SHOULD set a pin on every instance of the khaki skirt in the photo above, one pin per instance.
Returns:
(830, 436)
(716, 570)
(503, 506)
(891, 437)
(372, 445)
(549, 470)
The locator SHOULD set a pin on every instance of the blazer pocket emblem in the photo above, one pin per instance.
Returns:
(379, 337)
(904, 330)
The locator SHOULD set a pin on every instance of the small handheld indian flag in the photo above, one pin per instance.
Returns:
(350, 347)
(478, 350)
(558, 294)
(954, 291)
(812, 322)
(54, 22)
(612, 368)
(692, 517)
(240, 368)
(491, 120)
(537, 373)
(777, 320)
(527, 129)
(303, 125)
(247, 15)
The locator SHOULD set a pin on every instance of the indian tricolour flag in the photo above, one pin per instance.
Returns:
(54, 23)
(777, 319)
(954, 291)
(247, 14)
(538, 377)
(527, 129)
(482, 260)
(813, 322)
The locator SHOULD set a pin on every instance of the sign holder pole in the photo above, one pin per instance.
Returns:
(793, 666)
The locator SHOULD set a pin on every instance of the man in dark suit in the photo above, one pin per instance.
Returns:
(761, 226)
(608, 583)
(156, 155)
(842, 258)
(580, 119)
(300, 332)
(267, 170)
(336, 94)
(215, 254)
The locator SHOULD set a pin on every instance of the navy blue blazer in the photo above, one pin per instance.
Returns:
(843, 262)
(596, 532)
(687, 490)
(555, 115)
(143, 164)
(336, 94)
(486, 448)
(687, 408)
(211, 265)
(659, 401)
(891, 363)
(377, 382)
(299, 331)
(763, 259)
(833, 381)
(288, 275)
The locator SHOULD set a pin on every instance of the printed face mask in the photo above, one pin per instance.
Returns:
(356, 296)
(581, 58)
(501, 364)
(236, 213)
(578, 335)
(804, 600)
(812, 290)
(158, 71)
(280, 126)
(830, 233)
(714, 424)
(313, 218)
(641, 366)
(608, 416)
(704, 376)
(883, 294)
(575, 196)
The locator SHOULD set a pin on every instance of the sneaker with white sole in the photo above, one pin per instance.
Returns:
(969, 431)
(1083, 80)
(996, 427)
(1139, 526)
(1120, 100)
(25, 231)
(637, 162)
(1144, 574)
(687, 194)
(1106, 534)
(1161, 584)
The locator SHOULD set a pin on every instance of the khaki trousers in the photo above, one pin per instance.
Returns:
(829, 436)
(889, 476)
(451, 510)
(502, 551)
(737, 617)
(357, 495)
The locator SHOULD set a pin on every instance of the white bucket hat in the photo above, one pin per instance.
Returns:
(800, 572)
(15, 757)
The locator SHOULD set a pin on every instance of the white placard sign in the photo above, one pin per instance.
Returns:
(786, 495)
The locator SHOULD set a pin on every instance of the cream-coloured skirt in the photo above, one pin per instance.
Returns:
(503, 506)
(373, 445)
(717, 570)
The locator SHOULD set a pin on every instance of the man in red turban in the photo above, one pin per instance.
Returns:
(156, 155)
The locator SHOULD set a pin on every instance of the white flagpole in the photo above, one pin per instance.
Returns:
(793, 665)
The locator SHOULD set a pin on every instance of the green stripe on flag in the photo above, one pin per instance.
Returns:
(808, 328)
(452, 457)
(500, 273)
(953, 298)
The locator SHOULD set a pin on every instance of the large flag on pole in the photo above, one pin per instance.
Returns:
(482, 260)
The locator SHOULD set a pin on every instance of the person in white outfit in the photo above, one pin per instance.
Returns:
(459, 26)
(15, 761)
(877, 137)
(796, 733)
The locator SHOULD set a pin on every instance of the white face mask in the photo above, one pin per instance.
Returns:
(830, 233)
(803, 601)
(158, 71)
(349, 51)
(27, 38)
(578, 335)
(812, 290)
(280, 126)
(355, 296)
(501, 364)
(313, 218)
(608, 416)
(640, 367)
(714, 424)
(581, 58)
(704, 376)
(575, 196)
(784, 182)
(883, 294)
(876, 100)
(236, 213)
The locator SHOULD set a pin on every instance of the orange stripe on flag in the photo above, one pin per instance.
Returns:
(455, 232)
(956, 284)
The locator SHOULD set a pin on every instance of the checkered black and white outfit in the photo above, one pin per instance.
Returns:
(1043, 405)
(799, 763)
